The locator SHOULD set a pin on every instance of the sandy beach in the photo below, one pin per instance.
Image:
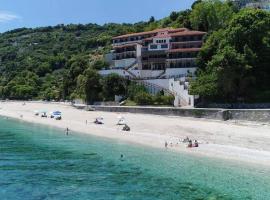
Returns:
(238, 141)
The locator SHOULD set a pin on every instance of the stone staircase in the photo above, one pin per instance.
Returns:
(180, 88)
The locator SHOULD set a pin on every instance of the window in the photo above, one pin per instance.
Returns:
(153, 46)
(164, 46)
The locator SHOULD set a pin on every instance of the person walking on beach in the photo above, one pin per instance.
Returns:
(67, 131)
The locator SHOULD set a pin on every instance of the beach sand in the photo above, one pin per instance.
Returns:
(238, 141)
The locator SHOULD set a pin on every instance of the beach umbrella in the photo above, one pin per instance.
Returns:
(57, 113)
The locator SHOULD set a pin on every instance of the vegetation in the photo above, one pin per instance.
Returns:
(55, 63)
(235, 61)
(61, 62)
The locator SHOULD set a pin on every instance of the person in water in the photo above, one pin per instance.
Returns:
(67, 131)
(122, 157)
(166, 144)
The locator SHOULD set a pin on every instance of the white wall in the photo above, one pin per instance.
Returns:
(182, 96)
(174, 72)
(124, 63)
(120, 72)
(150, 73)
(164, 83)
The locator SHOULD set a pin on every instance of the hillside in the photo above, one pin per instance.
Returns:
(61, 62)
(45, 62)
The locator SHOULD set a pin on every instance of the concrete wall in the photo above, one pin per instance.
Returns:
(120, 72)
(124, 62)
(150, 73)
(216, 114)
(182, 97)
(164, 83)
(175, 72)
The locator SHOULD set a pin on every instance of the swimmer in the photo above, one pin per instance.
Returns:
(122, 157)
(166, 144)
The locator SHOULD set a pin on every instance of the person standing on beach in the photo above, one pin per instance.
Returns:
(166, 144)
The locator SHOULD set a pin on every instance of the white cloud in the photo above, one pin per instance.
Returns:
(6, 16)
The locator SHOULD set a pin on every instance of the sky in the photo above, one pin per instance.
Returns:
(36, 13)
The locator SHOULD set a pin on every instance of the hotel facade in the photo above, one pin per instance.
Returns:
(159, 58)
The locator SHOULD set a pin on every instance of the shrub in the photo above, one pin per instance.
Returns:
(143, 98)
(163, 100)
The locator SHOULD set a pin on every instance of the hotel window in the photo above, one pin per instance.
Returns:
(164, 46)
(153, 46)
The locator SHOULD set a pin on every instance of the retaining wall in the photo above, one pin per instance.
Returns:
(258, 115)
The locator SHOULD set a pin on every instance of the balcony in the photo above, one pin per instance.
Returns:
(180, 59)
(126, 42)
(124, 55)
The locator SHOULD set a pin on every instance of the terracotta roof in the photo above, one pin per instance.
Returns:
(150, 38)
(184, 50)
(183, 33)
(170, 33)
(163, 36)
(140, 33)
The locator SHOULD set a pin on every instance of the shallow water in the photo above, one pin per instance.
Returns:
(39, 162)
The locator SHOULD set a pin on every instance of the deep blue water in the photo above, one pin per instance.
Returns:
(38, 162)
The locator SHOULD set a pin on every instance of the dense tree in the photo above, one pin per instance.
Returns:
(88, 86)
(211, 15)
(234, 62)
(114, 84)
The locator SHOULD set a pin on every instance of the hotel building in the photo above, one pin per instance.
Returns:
(159, 58)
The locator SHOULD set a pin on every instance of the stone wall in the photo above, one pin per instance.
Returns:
(258, 115)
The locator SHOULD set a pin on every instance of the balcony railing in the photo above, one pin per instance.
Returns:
(126, 42)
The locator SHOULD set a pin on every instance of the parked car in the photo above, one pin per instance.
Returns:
(57, 117)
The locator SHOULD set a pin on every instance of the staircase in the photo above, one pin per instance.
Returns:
(161, 74)
(154, 88)
(126, 69)
(180, 88)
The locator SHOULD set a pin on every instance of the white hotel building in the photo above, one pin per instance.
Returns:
(160, 59)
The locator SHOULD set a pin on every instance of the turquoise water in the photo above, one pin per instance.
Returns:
(38, 162)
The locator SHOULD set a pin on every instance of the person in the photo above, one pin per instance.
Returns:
(122, 157)
(126, 128)
(186, 140)
(196, 144)
(67, 130)
(189, 144)
(166, 144)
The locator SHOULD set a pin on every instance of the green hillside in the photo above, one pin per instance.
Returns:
(61, 62)
(46, 62)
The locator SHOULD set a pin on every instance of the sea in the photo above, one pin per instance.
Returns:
(41, 162)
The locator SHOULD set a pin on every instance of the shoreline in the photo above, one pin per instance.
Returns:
(217, 138)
